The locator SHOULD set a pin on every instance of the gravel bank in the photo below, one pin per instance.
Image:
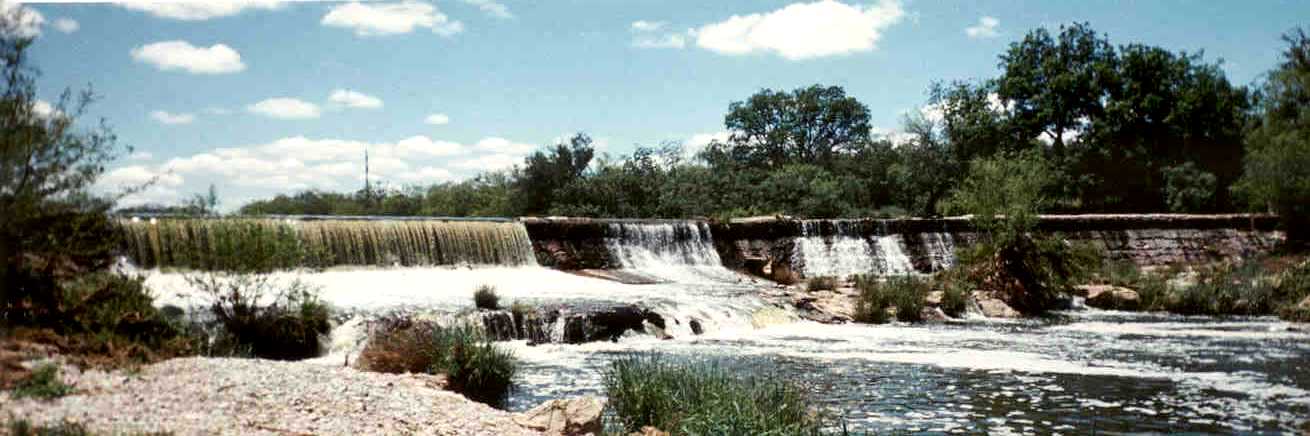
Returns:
(248, 396)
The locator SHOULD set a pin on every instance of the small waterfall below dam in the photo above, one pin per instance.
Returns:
(842, 248)
(663, 245)
(201, 243)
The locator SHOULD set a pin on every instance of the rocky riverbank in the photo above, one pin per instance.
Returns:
(262, 397)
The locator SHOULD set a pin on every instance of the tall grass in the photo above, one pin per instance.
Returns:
(485, 298)
(44, 384)
(473, 365)
(703, 398)
(257, 316)
(905, 293)
(822, 283)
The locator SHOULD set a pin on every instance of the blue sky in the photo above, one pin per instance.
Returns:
(260, 97)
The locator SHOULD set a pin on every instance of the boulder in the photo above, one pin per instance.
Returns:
(933, 314)
(572, 416)
(649, 431)
(993, 307)
(1112, 298)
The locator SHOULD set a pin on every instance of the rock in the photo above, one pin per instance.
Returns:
(649, 431)
(573, 416)
(934, 298)
(1113, 298)
(993, 307)
(933, 314)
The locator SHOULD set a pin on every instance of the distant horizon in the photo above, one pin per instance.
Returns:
(264, 97)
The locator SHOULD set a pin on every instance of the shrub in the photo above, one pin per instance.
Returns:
(825, 283)
(1152, 288)
(485, 298)
(1229, 289)
(43, 384)
(474, 366)
(955, 296)
(703, 397)
(906, 293)
(256, 316)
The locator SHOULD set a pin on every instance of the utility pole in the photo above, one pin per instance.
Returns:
(368, 189)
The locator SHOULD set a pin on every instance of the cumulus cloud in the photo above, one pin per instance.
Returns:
(28, 23)
(164, 117)
(285, 108)
(66, 25)
(647, 26)
(693, 146)
(492, 8)
(646, 34)
(803, 30)
(141, 155)
(193, 10)
(44, 109)
(390, 19)
(181, 55)
(986, 28)
(354, 99)
(299, 162)
(437, 119)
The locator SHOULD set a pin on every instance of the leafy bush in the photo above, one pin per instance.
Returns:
(474, 366)
(955, 295)
(1229, 289)
(43, 384)
(485, 298)
(824, 283)
(906, 293)
(1188, 188)
(1153, 292)
(702, 398)
(265, 319)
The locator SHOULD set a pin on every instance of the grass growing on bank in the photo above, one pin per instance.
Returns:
(43, 384)
(703, 398)
(905, 293)
(1261, 286)
(473, 365)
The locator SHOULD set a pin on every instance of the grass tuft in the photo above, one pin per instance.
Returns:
(906, 293)
(485, 298)
(703, 397)
(474, 365)
(43, 384)
(823, 283)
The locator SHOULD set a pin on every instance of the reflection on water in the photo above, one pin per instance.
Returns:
(1092, 371)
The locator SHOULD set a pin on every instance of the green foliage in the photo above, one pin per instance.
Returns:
(44, 384)
(773, 129)
(823, 283)
(702, 398)
(474, 366)
(485, 298)
(955, 292)
(906, 293)
(1187, 188)
(267, 319)
(1153, 291)
(545, 173)
(1004, 194)
(1277, 166)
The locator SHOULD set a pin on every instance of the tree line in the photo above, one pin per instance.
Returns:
(1126, 128)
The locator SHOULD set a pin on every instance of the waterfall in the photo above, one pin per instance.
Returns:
(940, 248)
(846, 252)
(658, 246)
(203, 243)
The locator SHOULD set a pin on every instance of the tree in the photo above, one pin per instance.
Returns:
(1056, 84)
(808, 125)
(1277, 165)
(544, 173)
(47, 164)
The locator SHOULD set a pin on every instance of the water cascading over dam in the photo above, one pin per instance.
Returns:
(655, 246)
(840, 248)
(322, 243)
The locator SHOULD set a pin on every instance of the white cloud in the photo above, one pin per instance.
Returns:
(647, 26)
(668, 40)
(422, 145)
(492, 8)
(437, 119)
(215, 110)
(193, 10)
(354, 99)
(28, 24)
(986, 28)
(137, 175)
(699, 141)
(141, 155)
(390, 19)
(504, 146)
(285, 108)
(491, 162)
(426, 175)
(43, 109)
(66, 25)
(181, 55)
(803, 30)
(167, 118)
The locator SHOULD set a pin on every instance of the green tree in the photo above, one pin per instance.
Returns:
(1277, 165)
(544, 173)
(808, 125)
(1188, 188)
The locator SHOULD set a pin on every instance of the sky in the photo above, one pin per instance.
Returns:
(260, 97)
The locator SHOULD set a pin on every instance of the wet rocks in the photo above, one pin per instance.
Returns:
(1109, 297)
(572, 416)
(993, 307)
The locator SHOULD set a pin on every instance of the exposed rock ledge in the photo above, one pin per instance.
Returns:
(249, 396)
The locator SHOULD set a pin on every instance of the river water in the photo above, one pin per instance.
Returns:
(1076, 372)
